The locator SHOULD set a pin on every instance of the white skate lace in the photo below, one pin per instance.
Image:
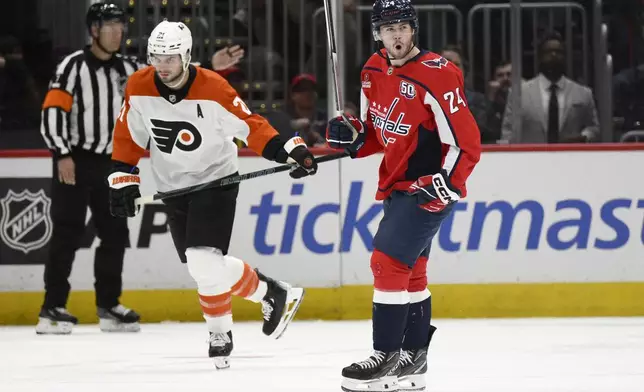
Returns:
(63, 311)
(120, 309)
(267, 310)
(406, 357)
(218, 339)
(374, 360)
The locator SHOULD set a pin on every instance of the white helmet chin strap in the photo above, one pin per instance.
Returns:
(180, 80)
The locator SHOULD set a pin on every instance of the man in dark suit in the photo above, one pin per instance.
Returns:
(554, 109)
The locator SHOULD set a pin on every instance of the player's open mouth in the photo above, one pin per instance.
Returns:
(398, 47)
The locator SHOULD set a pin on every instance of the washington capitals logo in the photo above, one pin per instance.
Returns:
(382, 119)
(436, 63)
(180, 134)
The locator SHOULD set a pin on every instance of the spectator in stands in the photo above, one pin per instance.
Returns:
(628, 99)
(479, 105)
(224, 61)
(306, 118)
(554, 109)
(302, 114)
(497, 95)
(19, 98)
(350, 109)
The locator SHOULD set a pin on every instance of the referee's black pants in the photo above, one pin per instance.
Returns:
(68, 209)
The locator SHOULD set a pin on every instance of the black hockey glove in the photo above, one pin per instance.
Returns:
(435, 192)
(340, 135)
(124, 189)
(295, 151)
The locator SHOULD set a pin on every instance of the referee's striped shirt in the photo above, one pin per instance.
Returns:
(83, 102)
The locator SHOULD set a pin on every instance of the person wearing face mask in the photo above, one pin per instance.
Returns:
(554, 109)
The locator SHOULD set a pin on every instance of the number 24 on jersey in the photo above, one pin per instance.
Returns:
(455, 100)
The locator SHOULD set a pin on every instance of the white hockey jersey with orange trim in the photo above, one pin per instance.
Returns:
(190, 131)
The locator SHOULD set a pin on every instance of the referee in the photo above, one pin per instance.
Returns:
(78, 116)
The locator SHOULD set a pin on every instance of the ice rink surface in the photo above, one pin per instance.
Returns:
(495, 355)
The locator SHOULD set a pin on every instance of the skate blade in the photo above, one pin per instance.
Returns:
(413, 382)
(109, 325)
(293, 301)
(221, 362)
(384, 384)
(48, 327)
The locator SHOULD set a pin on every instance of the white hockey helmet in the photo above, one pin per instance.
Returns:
(171, 38)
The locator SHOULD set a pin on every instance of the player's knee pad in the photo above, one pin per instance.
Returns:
(418, 279)
(208, 268)
(389, 274)
(244, 280)
(235, 268)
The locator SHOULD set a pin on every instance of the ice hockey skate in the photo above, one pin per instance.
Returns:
(220, 345)
(413, 367)
(118, 319)
(55, 321)
(279, 305)
(378, 373)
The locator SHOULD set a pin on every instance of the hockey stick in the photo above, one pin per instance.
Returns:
(229, 180)
(333, 56)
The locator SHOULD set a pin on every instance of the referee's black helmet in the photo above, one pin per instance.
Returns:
(103, 12)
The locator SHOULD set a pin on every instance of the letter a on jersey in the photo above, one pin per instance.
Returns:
(180, 134)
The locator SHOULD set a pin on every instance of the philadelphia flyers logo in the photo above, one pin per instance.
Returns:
(171, 134)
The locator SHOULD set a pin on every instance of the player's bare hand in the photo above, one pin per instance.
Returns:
(67, 171)
(227, 57)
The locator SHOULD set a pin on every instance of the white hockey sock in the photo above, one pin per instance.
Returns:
(208, 269)
(219, 324)
(246, 283)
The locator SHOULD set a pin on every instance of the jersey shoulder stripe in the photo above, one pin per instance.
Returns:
(141, 83)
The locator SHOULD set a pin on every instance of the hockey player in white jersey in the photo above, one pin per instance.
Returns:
(190, 116)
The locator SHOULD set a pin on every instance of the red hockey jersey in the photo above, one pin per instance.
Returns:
(417, 114)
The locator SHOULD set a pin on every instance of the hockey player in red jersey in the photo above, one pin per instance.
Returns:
(189, 116)
(413, 109)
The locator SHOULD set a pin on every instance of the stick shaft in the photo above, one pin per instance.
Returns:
(229, 180)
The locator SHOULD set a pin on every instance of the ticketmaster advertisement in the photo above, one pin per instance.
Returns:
(530, 217)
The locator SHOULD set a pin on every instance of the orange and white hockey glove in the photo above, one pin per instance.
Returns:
(124, 189)
(295, 151)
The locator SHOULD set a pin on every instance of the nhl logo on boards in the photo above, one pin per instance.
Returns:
(25, 224)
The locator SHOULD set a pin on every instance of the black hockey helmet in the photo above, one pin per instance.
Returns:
(392, 11)
(102, 12)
